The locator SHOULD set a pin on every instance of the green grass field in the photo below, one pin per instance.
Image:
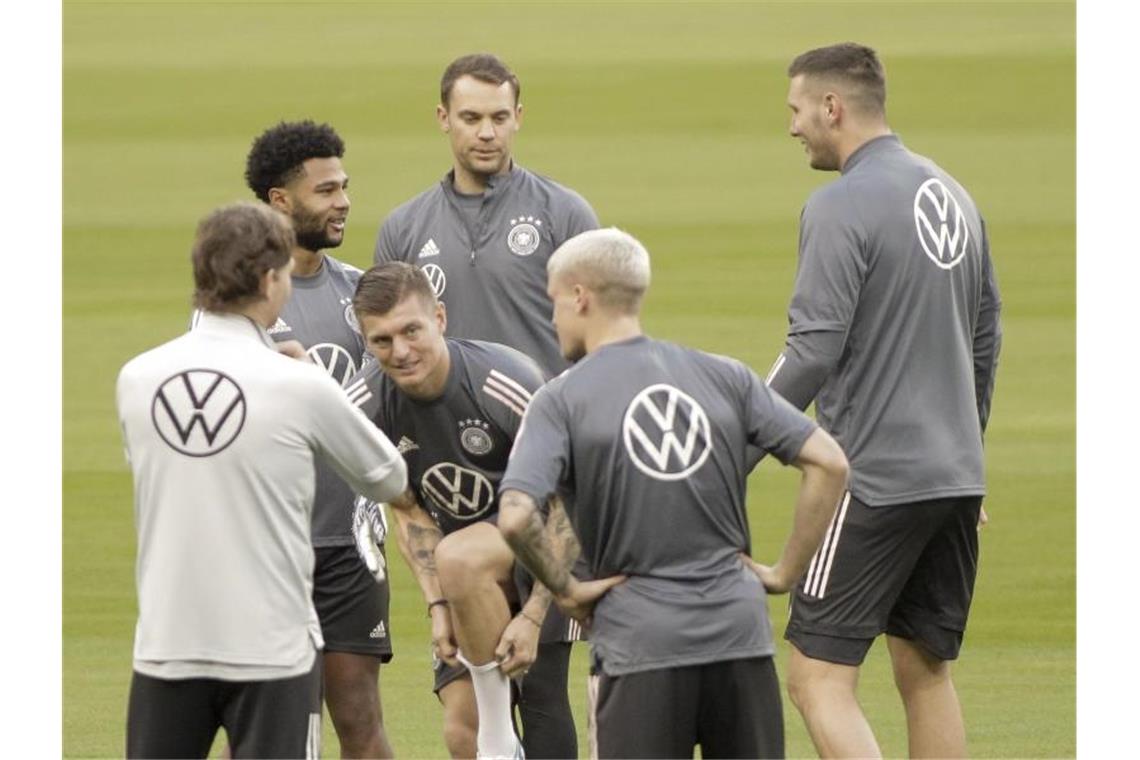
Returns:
(670, 119)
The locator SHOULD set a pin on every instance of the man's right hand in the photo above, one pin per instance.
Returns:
(294, 350)
(773, 580)
(443, 643)
(579, 598)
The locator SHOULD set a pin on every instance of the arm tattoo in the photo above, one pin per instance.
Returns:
(548, 551)
(421, 546)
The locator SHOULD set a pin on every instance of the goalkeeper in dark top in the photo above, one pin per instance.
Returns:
(649, 444)
(453, 407)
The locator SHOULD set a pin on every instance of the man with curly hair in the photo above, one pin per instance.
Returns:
(296, 168)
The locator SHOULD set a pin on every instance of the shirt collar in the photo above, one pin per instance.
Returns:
(236, 326)
(871, 147)
(495, 183)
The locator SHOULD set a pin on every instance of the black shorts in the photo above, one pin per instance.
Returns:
(351, 605)
(179, 718)
(907, 570)
(730, 708)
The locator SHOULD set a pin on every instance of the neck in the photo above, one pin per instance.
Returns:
(471, 183)
(858, 138)
(260, 312)
(613, 330)
(306, 263)
(432, 386)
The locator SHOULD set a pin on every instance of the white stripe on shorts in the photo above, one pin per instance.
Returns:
(834, 544)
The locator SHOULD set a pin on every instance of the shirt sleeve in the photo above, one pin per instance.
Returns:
(353, 445)
(987, 335)
(580, 217)
(540, 457)
(829, 278)
(387, 242)
(507, 391)
(773, 424)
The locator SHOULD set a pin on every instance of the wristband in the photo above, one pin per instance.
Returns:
(528, 617)
(437, 602)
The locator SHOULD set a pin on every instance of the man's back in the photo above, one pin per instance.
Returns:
(221, 432)
(653, 478)
(894, 271)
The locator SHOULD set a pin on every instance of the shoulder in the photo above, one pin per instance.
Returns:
(415, 206)
(831, 199)
(500, 373)
(560, 195)
(343, 269)
(366, 385)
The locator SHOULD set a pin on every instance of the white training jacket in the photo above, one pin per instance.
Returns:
(221, 433)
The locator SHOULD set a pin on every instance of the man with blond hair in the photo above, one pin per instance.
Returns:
(649, 444)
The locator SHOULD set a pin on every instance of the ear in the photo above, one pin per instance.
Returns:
(441, 117)
(581, 299)
(518, 117)
(441, 316)
(280, 199)
(832, 108)
(268, 277)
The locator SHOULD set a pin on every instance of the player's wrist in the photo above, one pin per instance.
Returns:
(435, 605)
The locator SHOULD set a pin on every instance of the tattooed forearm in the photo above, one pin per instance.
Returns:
(527, 535)
(562, 533)
(417, 536)
(421, 546)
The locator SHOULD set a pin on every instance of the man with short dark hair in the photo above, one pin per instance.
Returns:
(296, 168)
(222, 433)
(483, 235)
(649, 445)
(454, 406)
(894, 332)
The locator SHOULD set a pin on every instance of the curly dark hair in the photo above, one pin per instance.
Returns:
(276, 156)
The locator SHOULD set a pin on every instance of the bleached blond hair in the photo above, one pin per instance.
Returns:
(609, 262)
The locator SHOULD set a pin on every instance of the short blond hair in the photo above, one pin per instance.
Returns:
(609, 262)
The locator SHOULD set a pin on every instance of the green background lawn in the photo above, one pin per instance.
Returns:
(670, 119)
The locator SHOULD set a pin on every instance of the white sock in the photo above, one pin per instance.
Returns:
(496, 737)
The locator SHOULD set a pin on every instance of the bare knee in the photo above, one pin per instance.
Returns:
(353, 697)
(470, 558)
(915, 669)
(810, 681)
(459, 737)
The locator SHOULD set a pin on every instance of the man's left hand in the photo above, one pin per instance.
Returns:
(518, 646)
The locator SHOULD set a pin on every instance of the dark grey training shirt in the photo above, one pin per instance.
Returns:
(894, 326)
(646, 442)
(456, 446)
(320, 316)
(486, 257)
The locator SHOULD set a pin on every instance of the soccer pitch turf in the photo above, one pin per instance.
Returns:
(670, 120)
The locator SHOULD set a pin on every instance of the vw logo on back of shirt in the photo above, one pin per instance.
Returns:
(198, 412)
(666, 432)
(940, 223)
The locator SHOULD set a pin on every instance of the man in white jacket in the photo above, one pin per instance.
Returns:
(222, 431)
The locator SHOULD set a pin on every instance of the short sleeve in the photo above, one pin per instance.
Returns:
(580, 217)
(540, 457)
(773, 424)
